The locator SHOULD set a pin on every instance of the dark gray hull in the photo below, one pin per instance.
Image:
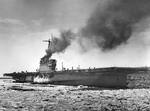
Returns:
(113, 77)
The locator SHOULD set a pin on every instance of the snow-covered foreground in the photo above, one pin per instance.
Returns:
(34, 97)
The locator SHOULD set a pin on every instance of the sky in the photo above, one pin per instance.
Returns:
(25, 23)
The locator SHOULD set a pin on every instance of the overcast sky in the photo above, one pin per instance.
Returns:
(25, 23)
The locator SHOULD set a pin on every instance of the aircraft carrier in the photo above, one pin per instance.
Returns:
(112, 77)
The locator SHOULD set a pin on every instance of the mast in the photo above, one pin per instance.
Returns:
(50, 40)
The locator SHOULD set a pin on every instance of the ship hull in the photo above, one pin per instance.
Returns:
(98, 79)
(102, 77)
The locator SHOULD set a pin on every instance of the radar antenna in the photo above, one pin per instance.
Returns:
(49, 41)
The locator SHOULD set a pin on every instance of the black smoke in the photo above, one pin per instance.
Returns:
(112, 23)
(61, 43)
(58, 44)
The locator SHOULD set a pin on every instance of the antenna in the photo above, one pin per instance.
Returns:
(62, 66)
(49, 40)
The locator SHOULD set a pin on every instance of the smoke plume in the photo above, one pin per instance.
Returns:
(112, 23)
(58, 45)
